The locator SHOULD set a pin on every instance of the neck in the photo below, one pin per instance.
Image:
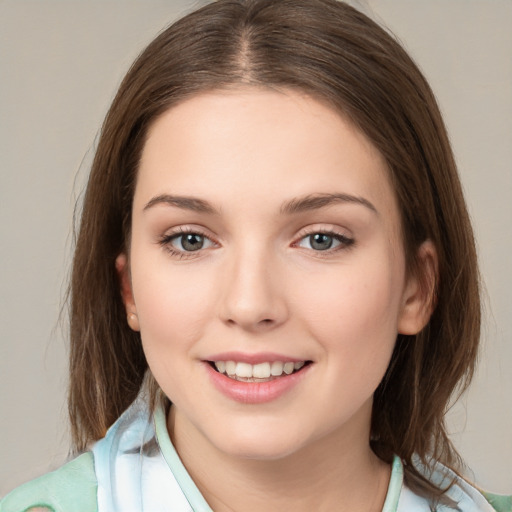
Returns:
(338, 472)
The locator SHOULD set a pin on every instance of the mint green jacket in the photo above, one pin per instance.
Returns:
(135, 468)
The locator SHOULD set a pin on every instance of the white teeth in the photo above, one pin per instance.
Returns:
(276, 369)
(243, 370)
(288, 368)
(258, 371)
(230, 367)
(261, 371)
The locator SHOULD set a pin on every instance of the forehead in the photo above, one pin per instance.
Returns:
(261, 144)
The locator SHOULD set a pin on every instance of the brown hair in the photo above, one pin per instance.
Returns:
(333, 52)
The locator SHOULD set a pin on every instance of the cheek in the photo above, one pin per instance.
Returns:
(172, 307)
(174, 311)
(353, 312)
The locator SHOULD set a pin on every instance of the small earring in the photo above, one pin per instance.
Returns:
(133, 321)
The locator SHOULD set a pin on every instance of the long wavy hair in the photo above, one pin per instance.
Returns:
(338, 55)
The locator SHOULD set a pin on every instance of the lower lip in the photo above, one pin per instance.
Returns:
(255, 392)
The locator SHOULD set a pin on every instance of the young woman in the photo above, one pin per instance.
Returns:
(275, 289)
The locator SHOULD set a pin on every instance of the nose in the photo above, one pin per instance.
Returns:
(254, 293)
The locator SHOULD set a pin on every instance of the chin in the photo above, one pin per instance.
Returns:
(258, 443)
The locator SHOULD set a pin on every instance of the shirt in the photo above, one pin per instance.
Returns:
(135, 468)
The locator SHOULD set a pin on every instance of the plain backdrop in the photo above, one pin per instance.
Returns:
(60, 64)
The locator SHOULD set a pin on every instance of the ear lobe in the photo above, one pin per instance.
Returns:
(419, 295)
(123, 271)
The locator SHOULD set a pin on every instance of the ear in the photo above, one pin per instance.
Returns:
(123, 271)
(418, 301)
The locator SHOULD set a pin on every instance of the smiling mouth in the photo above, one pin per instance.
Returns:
(261, 372)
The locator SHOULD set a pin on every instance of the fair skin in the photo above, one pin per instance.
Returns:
(265, 231)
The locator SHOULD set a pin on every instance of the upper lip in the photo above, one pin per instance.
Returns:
(260, 357)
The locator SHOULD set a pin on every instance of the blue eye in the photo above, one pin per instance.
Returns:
(190, 242)
(325, 241)
(321, 241)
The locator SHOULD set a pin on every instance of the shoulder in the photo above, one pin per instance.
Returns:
(71, 487)
(469, 497)
(499, 502)
(460, 496)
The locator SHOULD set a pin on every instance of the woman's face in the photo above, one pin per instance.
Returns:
(266, 240)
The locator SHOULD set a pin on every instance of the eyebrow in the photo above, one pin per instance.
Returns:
(184, 202)
(317, 201)
(296, 205)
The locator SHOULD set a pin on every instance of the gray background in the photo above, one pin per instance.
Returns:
(60, 64)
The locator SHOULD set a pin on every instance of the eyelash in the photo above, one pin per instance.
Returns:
(345, 242)
(165, 242)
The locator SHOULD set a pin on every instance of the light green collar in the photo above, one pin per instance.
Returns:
(187, 485)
